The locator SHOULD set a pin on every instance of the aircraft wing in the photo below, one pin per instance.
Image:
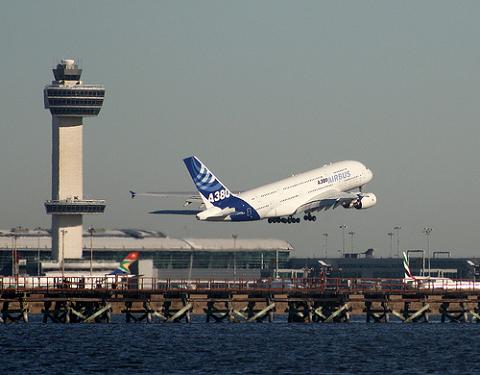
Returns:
(326, 200)
(175, 212)
(190, 196)
(166, 194)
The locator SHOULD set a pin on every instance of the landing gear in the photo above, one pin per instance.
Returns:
(309, 217)
(284, 220)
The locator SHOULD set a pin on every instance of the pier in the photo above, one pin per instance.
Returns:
(148, 300)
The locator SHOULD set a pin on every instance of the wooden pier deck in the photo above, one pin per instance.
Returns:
(94, 300)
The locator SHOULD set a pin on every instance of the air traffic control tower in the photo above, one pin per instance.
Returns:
(69, 100)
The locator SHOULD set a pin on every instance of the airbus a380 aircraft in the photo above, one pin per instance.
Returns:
(327, 187)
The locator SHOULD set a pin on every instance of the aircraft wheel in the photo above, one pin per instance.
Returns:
(283, 220)
(269, 220)
(305, 218)
(289, 220)
(314, 218)
(298, 220)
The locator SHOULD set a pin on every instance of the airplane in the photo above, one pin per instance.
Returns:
(333, 185)
(429, 282)
(76, 278)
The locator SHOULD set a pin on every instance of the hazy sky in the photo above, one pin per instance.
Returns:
(258, 90)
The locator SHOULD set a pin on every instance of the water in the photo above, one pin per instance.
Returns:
(276, 348)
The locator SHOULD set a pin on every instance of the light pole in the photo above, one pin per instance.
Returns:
(397, 231)
(38, 249)
(325, 244)
(190, 266)
(234, 236)
(14, 255)
(390, 234)
(13, 252)
(91, 230)
(351, 240)
(343, 228)
(428, 232)
(62, 265)
(276, 264)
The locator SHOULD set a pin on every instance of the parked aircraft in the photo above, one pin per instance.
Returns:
(75, 278)
(284, 201)
(429, 282)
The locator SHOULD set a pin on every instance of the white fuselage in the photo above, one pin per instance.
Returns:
(284, 197)
(442, 283)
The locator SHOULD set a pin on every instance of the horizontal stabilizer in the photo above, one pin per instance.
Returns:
(171, 193)
(175, 212)
(166, 194)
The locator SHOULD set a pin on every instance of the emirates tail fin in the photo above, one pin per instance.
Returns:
(406, 266)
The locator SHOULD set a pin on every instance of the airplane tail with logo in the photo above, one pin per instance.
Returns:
(212, 191)
(124, 267)
(406, 266)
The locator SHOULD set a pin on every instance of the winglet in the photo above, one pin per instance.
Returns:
(133, 194)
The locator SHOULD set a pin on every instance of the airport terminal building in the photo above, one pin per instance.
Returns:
(166, 257)
(391, 268)
(162, 256)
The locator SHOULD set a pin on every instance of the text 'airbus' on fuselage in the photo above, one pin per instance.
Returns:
(333, 185)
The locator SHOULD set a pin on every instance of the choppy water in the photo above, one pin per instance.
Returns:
(276, 348)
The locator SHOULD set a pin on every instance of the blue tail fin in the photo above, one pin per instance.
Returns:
(213, 192)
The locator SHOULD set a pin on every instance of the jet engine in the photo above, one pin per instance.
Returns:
(365, 200)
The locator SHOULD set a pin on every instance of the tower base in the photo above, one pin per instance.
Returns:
(67, 231)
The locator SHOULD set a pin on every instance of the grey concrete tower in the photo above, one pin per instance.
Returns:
(69, 100)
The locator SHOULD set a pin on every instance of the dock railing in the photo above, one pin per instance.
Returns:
(47, 284)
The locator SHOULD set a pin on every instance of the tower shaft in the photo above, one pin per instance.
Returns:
(67, 158)
(67, 184)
